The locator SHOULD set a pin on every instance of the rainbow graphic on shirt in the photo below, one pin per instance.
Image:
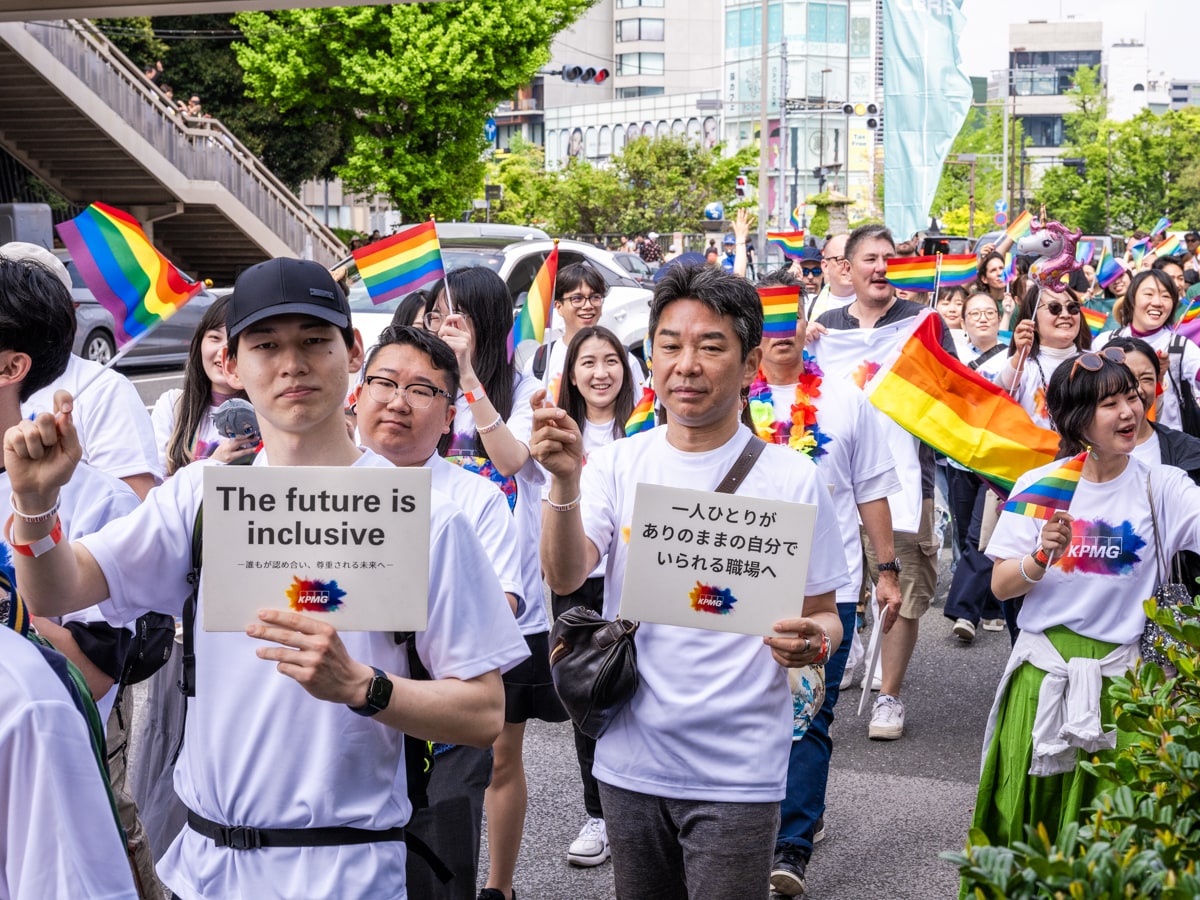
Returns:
(312, 596)
(711, 599)
(481, 465)
(864, 372)
(1098, 548)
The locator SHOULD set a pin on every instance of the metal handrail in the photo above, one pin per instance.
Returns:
(203, 149)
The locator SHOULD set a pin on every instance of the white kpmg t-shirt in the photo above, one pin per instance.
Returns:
(1097, 587)
(712, 716)
(58, 837)
(857, 462)
(111, 420)
(259, 750)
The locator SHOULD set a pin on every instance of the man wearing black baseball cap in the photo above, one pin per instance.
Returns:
(308, 794)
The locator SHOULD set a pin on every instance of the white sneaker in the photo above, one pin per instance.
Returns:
(591, 847)
(964, 629)
(877, 681)
(993, 625)
(887, 719)
(853, 662)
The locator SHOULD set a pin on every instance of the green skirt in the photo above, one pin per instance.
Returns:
(1009, 797)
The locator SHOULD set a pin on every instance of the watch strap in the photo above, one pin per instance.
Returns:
(368, 708)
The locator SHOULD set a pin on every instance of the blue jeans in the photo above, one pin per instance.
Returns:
(808, 763)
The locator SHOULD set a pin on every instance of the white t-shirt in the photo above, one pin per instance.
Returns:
(826, 301)
(551, 378)
(712, 716)
(163, 419)
(857, 462)
(595, 435)
(1035, 376)
(111, 420)
(1168, 401)
(524, 491)
(259, 750)
(1098, 586)
(1149, 451)
(58, 837)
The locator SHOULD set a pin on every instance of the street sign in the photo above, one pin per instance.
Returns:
(1001, 206)
(489, 129)
(1000, 218)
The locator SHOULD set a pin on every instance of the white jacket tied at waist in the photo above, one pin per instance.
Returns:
(1068, 709)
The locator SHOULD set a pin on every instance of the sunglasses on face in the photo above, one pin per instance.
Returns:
(1094, 361)
(810, 273)
(1056, 309)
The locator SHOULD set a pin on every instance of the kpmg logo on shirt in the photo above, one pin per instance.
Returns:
(310, 595)
(1098, 548)
(710, 599)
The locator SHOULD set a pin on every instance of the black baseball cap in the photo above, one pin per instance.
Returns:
(285, 286)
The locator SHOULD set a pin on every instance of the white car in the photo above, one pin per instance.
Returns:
(516, 254)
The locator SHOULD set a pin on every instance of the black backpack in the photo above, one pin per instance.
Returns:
(1189, 412)
(540, 356)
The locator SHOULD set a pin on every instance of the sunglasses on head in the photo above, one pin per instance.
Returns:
(1056, 309)
(1094, 361)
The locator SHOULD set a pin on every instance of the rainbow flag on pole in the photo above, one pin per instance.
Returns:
(920, 273)
(1161, 226)
(130, 278)
(402, 263)
(534, 318)
(1020, 226)
(1085, 251)
(1138, 248)
(642, 418)
(1108, 269)
(1095, 318)
(780, 304)
(957, 411)
(1169, 247)
(1188, 323)
(1051, 493)
(790, 242)
(797, 218)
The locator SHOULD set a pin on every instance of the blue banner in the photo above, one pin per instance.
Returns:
(926, 98)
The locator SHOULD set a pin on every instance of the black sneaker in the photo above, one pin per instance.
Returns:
(493, 894)
(787, 874)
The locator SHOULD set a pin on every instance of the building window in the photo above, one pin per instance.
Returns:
(640, 29)
(827, 23)
(640, 64)
(1044, 131)
(631, 4)
(624, 93)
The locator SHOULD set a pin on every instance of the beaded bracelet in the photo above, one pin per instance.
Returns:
(488, 429)
(564, 507)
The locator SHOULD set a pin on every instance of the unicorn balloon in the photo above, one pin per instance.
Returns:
(1054, 246)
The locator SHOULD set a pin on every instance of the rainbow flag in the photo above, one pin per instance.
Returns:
(643, 414)
(402, 263)
(1169, 247)
(920, 273)
(1188, 322)
(957, 411)
(1137, 249)
(1085, 251)
(1160, 226)
(131, 279)
(1051, 493)
(1095, 318)
(1108, 269)
(790, 242)
(1010, 268)
(534, 318)
(780, 304)
(1020, 226)
(796, 219)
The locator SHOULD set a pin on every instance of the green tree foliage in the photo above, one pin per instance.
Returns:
(135, 38)
(982, 134)
(411, 83)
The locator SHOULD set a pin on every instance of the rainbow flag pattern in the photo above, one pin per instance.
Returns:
(1020, 226)
(130, 278)
(1169, 247)
(642, 418)
(1137, 249)
(402, 263)
(796, 219)
(957, 411)
(534, 318)
(1095, 318)
(1160, 226)
(790, 242)
(1051, 493)
(1108, 269)
(1188, 323)
(1010, 268)
(780, 304)
(1085, 251)
(920, 273)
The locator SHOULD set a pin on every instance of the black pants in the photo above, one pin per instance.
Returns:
(591, 595)
(970, 596)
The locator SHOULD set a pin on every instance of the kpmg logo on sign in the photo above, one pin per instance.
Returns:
(313, 596)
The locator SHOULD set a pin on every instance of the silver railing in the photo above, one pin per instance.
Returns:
(201, 148)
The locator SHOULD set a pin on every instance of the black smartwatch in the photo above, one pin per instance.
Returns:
(893, 566)
(379, 694)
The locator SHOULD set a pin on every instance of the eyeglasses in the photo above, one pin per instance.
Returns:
(1094, 362)
(836, 259)
(433, 320)
(1056, 309)
(418, 396)
(579, 300)
(982, 315)
(810, 273)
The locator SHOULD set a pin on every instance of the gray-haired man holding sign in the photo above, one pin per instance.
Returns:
(691, 772)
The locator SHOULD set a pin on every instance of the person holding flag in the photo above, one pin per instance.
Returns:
(1085, 540)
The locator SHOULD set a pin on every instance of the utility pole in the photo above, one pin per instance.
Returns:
(781, 159)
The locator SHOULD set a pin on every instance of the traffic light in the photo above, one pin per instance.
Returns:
(741, 187)
(584, 75)
(1078, 163)
(872, 111)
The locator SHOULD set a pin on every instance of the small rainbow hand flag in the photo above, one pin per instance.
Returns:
(1085, 252)
(1050, 494)
(131, 279)
(780, 304)
(402, 263)
(790, 242)
(534, 318)
(920, 273)
(1169, 247)
(1010, 268)
(796, 219)
(1160, 226)
(1188, 323)
(1108, 269)
(1138, 248)
(643, 414)
(1020, 226)
(1095, 318)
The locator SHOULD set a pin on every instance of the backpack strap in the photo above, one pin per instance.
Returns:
(539, 361)
(187, 681)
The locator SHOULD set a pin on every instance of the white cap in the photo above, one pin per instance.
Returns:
(653, 235)
(22, 250)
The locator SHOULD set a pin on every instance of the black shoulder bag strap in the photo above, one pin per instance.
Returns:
(739, 470)
(187, 674)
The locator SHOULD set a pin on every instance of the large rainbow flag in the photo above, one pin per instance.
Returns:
(790, 242)
(534, 318)
(402, 263)
(1051, 493)
(957, 411)
(642, 418)
(780, 305)
(130, 278)
(920, 273)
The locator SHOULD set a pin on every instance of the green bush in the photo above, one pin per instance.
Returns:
(1141, 839)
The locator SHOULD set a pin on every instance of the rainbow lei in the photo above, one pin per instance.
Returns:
(801, 432)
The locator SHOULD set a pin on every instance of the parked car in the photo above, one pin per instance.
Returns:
(516, 260)
(166, 345)
(642, 271)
